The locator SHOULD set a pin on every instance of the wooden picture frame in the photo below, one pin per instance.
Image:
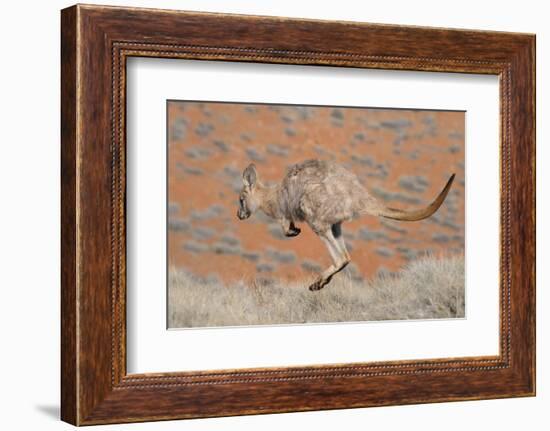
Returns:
(95, 43)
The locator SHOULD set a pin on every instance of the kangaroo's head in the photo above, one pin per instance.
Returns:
(249, 198)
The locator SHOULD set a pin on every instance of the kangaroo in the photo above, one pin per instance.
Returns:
(322, 194)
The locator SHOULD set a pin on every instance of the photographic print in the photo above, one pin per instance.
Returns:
(291, 214)
(300, 227)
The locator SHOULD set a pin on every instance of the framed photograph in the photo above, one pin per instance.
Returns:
(264, 214)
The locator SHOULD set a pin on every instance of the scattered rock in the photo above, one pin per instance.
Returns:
(417, 184)
(204, 129)
(309, 265)
(251, 256)
(281, 256)
(277, 150)
(396, 125)
(178, 129)
(221, 145)
(178, 225)
(440, 237)
(173, 208)
(195, 247)
(211, 212)
(264, 267)
(289, 131)
(254, 155)
(202, 232)
(191, 170)
(198, 153)
(384, 252)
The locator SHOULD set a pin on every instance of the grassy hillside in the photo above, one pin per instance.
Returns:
(427, 288)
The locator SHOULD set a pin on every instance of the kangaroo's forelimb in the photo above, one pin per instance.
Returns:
(289, 229)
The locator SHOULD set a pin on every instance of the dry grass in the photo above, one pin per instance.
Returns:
(428, 288)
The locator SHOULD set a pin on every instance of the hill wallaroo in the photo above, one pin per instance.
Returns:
(322, 194)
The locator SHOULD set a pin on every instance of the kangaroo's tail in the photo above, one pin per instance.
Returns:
(419, 214)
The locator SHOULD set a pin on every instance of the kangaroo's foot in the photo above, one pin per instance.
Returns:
(327, 275)
(318, 284)
(323, 281)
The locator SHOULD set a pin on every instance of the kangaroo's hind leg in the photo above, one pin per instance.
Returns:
(337, 233)
(338, 253)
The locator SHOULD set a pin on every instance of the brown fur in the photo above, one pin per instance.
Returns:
(322, 194)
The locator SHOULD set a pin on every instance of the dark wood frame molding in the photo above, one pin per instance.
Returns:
(95, 43)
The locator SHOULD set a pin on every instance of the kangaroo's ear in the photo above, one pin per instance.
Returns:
(250, 176)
